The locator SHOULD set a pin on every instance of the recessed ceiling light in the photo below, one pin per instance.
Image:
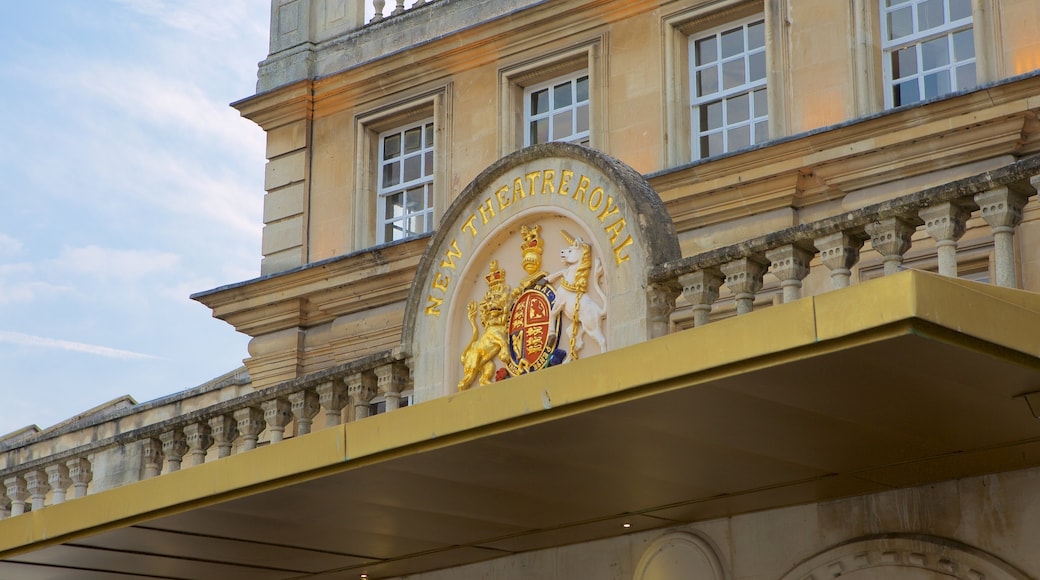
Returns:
(626, 525)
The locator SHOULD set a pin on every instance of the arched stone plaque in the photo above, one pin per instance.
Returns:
(541, 260)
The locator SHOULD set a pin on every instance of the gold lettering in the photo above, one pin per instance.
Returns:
(597, 195)
(503, 202)
(565, 179)
(433, 305)
(530, 179)
(608, 212)
(615, 228)
(450, 255)
(583, 186)
(490, 210)
(618, 258)
(469, 225)
(441, 282)
(547, 181)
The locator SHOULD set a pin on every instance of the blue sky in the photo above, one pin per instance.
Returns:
(127, 184)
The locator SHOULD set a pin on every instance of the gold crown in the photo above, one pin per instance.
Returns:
(495, 275)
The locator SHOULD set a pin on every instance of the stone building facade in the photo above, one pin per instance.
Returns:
(603, 289)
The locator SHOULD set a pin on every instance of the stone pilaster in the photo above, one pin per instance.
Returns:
(701, 290)
(304, 406)
(174, 446)
(277, 414)
(81, 474)
(1002, 210)
(199, 438)
(361, 388)
(58, 479)
(391, 379)
(890, 237)
(790, 264)
(839, 252)
(151, 452)
(250, 423)
(744, 279)
(224, 430)
(333, 397)
(946, 223)
(17, 493)
(36, 484)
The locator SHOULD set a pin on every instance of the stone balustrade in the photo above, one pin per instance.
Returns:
(397, 7)
(998, 197)
(234, 425)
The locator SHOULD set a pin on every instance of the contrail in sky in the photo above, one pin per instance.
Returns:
(30, 340)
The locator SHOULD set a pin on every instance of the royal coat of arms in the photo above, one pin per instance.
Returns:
(522, 326)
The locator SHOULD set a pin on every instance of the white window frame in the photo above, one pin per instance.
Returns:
(757, 121)
(555, 112)
(409, 221)
(917, 39)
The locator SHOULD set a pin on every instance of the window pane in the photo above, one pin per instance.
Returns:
(757, 66)
(732, 42)
(711, 116)
(905, 93)
(733, 74)
(540, 102)
(391, 174)
(412, 140)
(960, 9)
(937, 84)
(761, 132)
(900, 23)
(707, 81)
(891, 3)
(929, 14)
(582, 89)
(756, 35)
(562, 125)
(711, 145)
(904, 62)
(539, 131)
(964, 45)
(394, 206)
(391, 233)
(412, 167)
(429, 135)
(582, 119)
(562, 95)
(707, 50)
(935, 53)
(965, 77)
(428, 164)
(738, 109)
(761, 105)
(392, 146)
(415, 199)
(739, 138)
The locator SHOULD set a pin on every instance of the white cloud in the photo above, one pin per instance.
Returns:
(9, 246)
(112, 263)
(39, 341)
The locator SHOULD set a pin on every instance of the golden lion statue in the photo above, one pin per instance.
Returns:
(478, 359)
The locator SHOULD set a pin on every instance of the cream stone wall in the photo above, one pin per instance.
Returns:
(981, 527)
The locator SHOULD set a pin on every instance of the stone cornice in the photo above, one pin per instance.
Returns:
(279, 106)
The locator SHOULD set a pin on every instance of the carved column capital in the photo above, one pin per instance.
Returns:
(151, 454)
(790, 264)
(1002, 209)
(839, 252)
(744, 279)
(277, 414)
(224, 430)
(174, 446)
(37, 485)
(250, 423)
(890, 237)
(391, 379)
(661, 301)
(361, 388)
(199, 438)
(304, 406)
(946, 223)
(333, 397)
(701, 290)
(17, 493)
(81, 475)
(58, 479)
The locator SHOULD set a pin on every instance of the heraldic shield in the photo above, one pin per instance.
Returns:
(532, 338)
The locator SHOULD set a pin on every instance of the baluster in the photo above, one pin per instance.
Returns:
(1002, 210)
(151, 450)
(701, 290)
(790, 264)
(277, 414)
(58, 478)
(890, 237)
(17, 493)
(744, 279)
(399, 9)
(361, 388)
(378, 5)
(174, 446)
(304, 406)
(36, 484)
(224, 430)
(839, 252)
(391, 379)
(250, 423)
(81, 474)
(333, 397)
(945, 223)
(199, 438)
